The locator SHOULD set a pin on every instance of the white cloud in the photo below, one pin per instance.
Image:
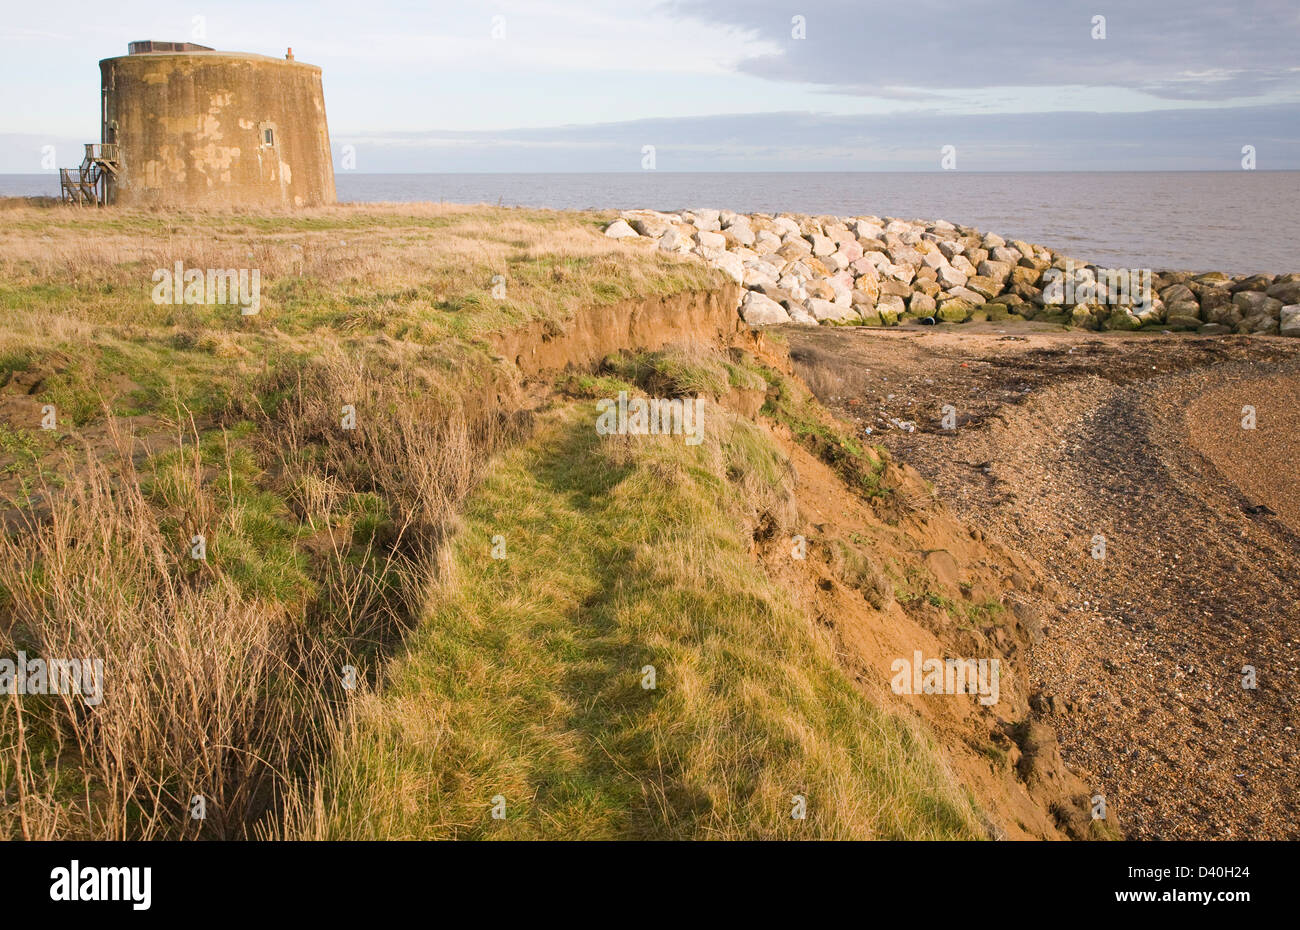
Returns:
(593, 36)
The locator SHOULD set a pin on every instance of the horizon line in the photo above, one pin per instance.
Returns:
(937, 172)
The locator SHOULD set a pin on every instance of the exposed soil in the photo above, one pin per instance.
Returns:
(526, 356)
(705, 317)
(1008, 759)
(1060, 438)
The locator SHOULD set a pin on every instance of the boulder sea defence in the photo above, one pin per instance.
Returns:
(882, 271)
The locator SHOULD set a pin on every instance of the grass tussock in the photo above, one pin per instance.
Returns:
(679, 371)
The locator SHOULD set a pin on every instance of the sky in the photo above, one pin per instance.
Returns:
(733, 85)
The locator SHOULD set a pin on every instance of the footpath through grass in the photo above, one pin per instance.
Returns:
(524, 688)
(190, 424)
(517, 678)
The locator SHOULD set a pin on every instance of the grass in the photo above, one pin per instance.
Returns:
(21, 446)
(682, 372)
(319, 542)
(416, 281)
(526, 678)
(370, 548)
(422, 272)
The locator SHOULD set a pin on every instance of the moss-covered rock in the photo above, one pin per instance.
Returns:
(921, 305)
(1121, 319)
(1183, 314)
(1081, 316)
(890, 309)
(955, 311)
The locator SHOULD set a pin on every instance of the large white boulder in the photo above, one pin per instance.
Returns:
(711, 240)
(757, 310)
(673, 241)
(785, 226)
(890, 307)
(825, 310)
(843, 288)
(950, 277)
(1290, 320)
(650, 222)
(822, 245)
(757, 276)
(619, 229)
(934, 260)
(998, 271)
(706, 219)
(902, 273)
(743, 234)
(793, 285)
(865, 229)
(963, 264)
(801, 316)
(950, 250)
(903, 255)
(731, 264)
(879, 259)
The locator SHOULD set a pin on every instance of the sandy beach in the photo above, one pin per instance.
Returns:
(1063, 437)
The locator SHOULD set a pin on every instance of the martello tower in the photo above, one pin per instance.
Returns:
(186, 125)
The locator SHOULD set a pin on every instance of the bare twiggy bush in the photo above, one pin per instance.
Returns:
(413, 448)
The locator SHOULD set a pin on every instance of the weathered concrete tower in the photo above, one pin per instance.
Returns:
(190, 126)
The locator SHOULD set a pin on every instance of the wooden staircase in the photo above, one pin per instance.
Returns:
(88, 183)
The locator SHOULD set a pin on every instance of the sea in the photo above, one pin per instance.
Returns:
(1240, 222)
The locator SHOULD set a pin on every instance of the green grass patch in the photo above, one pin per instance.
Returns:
(525, 681)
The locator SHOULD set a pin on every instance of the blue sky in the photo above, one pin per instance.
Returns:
(720, 84)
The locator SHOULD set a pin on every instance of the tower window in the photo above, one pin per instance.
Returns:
(268, 136)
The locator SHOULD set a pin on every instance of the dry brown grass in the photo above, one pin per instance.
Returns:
(832, 375)
(212, 690)
(333, 547)
(554, 263)
(207, 691)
